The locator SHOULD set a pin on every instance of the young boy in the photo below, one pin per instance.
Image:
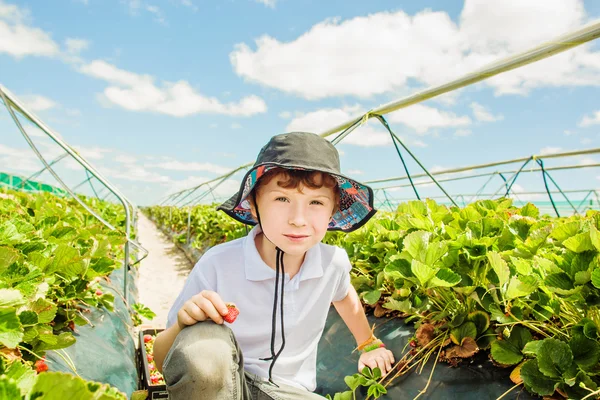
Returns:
(280, 276)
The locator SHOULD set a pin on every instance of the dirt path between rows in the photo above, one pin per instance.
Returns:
(161, 274)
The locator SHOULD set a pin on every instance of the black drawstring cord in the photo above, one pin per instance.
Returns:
(279, 262)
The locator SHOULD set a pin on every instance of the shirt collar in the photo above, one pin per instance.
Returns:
(257, 270)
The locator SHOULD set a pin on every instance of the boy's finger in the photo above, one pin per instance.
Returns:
(194, 311)
(209, 309)
(217, 302)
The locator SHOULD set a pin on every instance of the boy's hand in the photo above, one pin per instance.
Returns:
(381, 357)
(205, 305)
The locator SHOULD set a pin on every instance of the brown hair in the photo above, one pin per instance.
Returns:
(295, 178)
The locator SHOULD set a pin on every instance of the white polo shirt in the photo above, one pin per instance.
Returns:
(236, 271)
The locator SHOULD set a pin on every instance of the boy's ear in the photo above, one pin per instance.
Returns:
(252, 207)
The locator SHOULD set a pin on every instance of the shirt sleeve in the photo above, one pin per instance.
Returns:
(344, 267)
(194, 284)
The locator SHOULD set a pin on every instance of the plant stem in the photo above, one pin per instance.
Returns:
(432, 370)
(508, 391)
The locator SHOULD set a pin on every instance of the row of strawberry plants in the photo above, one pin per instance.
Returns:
(489, 277)
(53, 256)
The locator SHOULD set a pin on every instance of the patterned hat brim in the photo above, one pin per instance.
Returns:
(355, 206)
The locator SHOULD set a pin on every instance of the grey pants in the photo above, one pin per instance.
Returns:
(205, 362)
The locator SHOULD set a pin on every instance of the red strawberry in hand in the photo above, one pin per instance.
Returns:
(147, 338)
(232, 314)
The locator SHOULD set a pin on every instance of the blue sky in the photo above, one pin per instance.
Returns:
(163, 95)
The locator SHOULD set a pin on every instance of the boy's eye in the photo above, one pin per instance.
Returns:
(281, 199)
(316, 202)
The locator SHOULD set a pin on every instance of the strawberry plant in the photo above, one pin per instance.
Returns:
(53, 256)
(488, 277)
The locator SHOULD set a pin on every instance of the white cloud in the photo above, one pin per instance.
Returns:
(18, 160)
(19, 39)
(419, 143)
(225, 189)
(158, 15)
(125, 159)
(75, 46)
(93, 153)
(482, 114)
(550, 150)
(318, 121)
(586, 141)
(462, 132)
(174, 165)
(235, 125)
(137, 92)
(594, 119)
(285, 115)
(213, 126)
(421, 118)
(188, 3)
(587, 161)
(37, 103)
(568, 132)
(268, 3)
(429, 45)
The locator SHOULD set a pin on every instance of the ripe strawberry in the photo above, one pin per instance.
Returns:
(147, 338)
(41, 366)
(232, 314)
(98, 292)
(150, 357)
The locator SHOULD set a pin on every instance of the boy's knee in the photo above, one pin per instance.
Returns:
(203, 354)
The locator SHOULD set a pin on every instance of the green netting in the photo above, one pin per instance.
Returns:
(105, 349)
(19, 183)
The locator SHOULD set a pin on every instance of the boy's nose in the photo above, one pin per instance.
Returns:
(297, 216)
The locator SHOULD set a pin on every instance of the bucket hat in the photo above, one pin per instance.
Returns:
(305, 151)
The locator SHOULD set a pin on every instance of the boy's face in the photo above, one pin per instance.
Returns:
(294, 220)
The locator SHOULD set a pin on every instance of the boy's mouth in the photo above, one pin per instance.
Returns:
(296, 238)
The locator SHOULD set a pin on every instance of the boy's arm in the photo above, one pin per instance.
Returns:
(351, 311)
(163, 343)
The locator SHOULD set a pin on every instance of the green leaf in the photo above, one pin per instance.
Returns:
(559, 281)
(445, 278)
(554, 357)
(596, 278)
(23, 375)
(435, 251)
(499, 266)
(8, 256)
(398, 269)
(565, 231)
(403, 306)
(535, 381)
(586, 352)
(505, 353)
(523, 266)
(415, 243)
(467, 329)
(52, 342)
(595, 237)
(520, 286)
(579, 243)
(9, 234)
(71, 387)
(11, 331)
(529, 210)
(481, 320)
(372, 297)
(11, 298)
(66, 260)
(45, 310)
(353, 381)
(422, 271)
(28, 318)
(9, 389)
(532, 348)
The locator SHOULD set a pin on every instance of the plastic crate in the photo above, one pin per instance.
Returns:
(154, 391)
